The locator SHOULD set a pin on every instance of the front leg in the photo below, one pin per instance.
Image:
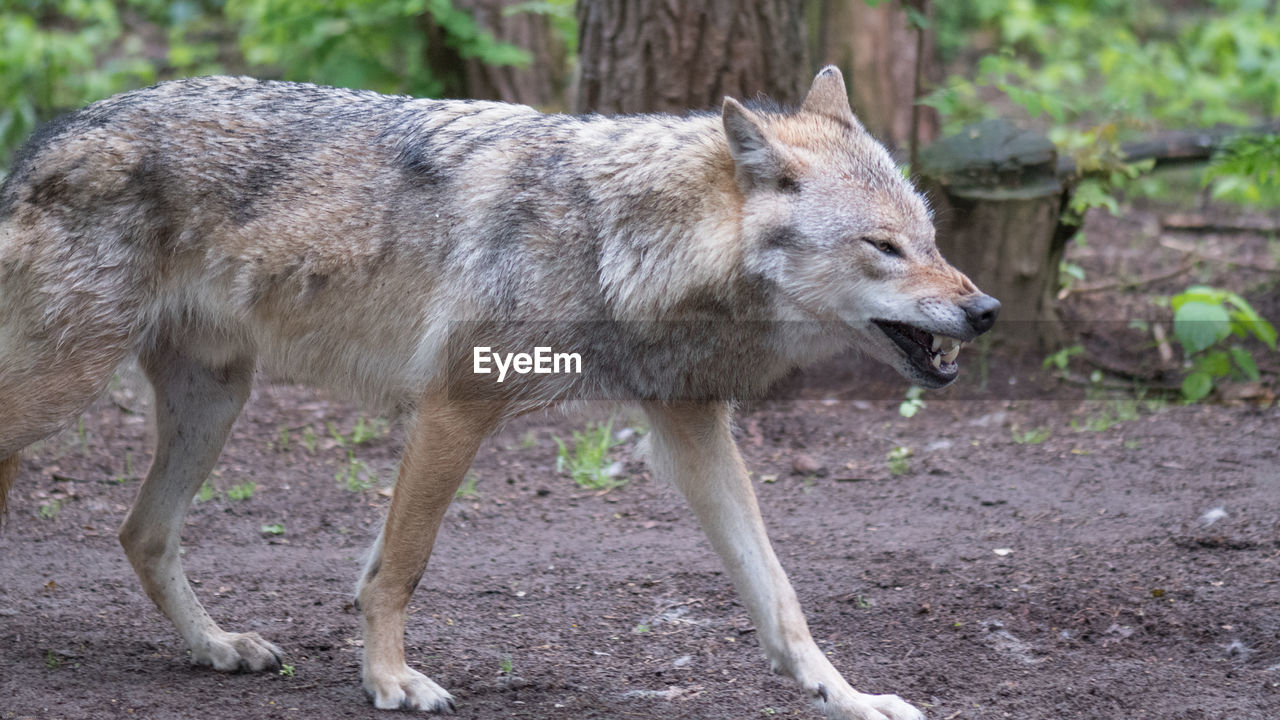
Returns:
(693, 446)
(436, 458)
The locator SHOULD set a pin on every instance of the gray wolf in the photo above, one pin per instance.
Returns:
(369, 243)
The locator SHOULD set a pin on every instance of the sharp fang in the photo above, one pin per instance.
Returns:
(936, 361)
(937, 343)
(950, 355)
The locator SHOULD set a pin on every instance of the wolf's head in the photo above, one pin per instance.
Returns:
(832, 223)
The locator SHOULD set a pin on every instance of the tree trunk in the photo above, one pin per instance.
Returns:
(876, 47)
(673, 55)
(543, 83)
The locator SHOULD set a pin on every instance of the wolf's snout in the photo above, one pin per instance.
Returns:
(981, 312)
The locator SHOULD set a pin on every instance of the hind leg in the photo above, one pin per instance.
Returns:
(195, 407)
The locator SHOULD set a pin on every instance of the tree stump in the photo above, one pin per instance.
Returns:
(997, 199)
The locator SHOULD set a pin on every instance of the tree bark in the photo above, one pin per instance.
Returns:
(876, 47)
(672, 55)
(543, 83)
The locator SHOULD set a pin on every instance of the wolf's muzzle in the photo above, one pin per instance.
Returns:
(981, 311)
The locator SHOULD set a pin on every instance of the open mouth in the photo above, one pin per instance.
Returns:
(934, 356)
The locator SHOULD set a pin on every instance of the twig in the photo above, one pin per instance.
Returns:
(1183, 247)
(1149, 279)
(1193, 223)
(1162, 343)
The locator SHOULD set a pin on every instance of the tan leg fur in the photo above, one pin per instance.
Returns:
(437, 455)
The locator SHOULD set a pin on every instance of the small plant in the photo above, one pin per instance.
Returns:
(898, 460)
(1034, 436)
(53, 660)
(50, 510)
(242, 491)
(286, 670)
(1069, 274)
(356, 475)
(282, 440)
(913, 404)
(1203, 319)
(336, 434)
(861, 602)
(1062, 358)
(588, 462)
(273, 529)
(467, 490)
(1120, 410)
(366, 430)
(205, 493)
(309, 439)
(506, 666)
(641, 629)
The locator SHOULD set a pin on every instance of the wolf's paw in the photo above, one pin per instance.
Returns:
(406, 689)
(237, 652)
(868, 707)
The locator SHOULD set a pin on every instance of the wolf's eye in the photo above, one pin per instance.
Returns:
(884, 246)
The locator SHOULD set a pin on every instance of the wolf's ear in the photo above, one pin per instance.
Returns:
(827, 96)
(756, 157)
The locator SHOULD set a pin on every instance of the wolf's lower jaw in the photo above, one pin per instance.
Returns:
(932, 355)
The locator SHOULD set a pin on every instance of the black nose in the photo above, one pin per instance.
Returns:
(981, 311)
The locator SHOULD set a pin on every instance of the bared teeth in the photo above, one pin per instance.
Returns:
(950, 355)
(936, 361)
(937, 343)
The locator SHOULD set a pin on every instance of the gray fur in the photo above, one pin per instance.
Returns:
(368, 243)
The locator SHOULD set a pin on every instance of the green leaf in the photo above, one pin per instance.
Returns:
(1244, 361)
(1199, 325)
(1216, 363)
(1196, 385)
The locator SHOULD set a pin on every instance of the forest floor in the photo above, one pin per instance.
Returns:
(1052, 549)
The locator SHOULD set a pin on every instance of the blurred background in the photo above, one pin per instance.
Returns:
(1091, 73)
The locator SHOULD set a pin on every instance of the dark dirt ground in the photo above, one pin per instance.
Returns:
(1069, 578)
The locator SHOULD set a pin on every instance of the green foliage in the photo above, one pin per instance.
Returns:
(1204, 318)
(59, 55)
(913, 404)
(1132, 63)
(56, 56)
(588, 461)
(242, 491)
(376, 44)
(1247, 170)
(898, 460)
(49, 510)
(1098, 71)
(467, 490)
(1061, 359)
(1034, 436)
(273, 529)
(355, 475)
(1119, 410)
(205, 493)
